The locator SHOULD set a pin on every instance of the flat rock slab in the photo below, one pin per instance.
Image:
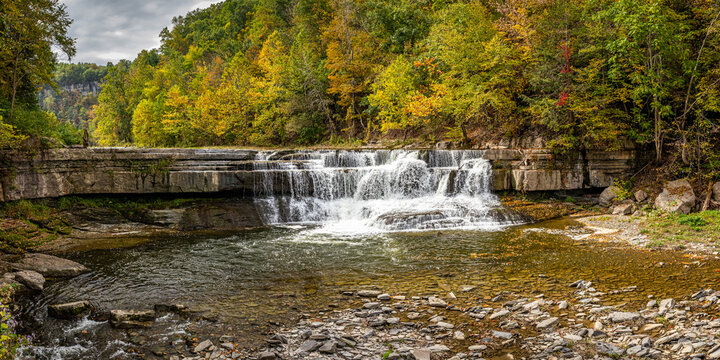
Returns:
(32, 279)
(129, 319)
(69, 310)
(50, 266)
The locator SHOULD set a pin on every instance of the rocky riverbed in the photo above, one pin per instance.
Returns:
(508, 326)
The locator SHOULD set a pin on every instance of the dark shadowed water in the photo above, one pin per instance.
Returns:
(249, 278)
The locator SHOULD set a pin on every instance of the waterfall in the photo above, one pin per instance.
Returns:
(374, 191)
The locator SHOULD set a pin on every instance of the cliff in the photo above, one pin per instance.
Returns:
(61, 172)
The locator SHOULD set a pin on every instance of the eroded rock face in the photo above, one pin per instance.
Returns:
(677, 196)
(524, 165)
(50, 266)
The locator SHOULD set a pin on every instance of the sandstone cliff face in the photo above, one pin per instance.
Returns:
(61, 172)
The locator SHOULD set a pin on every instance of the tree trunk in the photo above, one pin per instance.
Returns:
(706, 203)
(658, 134)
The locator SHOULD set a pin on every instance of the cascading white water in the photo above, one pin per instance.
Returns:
(359, 192)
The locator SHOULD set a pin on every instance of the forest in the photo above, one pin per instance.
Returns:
(587, 74)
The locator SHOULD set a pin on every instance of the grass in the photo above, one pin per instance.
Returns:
(667, 229)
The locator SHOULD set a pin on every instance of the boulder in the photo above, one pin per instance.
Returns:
(608, 195)
(32, 279)
(623, 209)
(69, 310)
(127, 319)
(677, 196)
(716, 191)
(50, 266)
(640, 196)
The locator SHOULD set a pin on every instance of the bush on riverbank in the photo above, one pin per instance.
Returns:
(10, 341)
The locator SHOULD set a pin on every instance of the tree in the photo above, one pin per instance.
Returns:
(29, 29)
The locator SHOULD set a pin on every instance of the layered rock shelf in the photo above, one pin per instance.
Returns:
(61, 172)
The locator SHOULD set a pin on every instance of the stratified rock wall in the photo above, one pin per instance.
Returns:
(77, 171)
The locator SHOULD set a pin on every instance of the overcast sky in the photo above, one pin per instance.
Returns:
(111, 30)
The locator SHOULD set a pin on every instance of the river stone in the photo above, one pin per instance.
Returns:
(618, 316)
(677, 196)
(328, 347)
(69, 310)
(716, 191)
(369, 293)
(50, 266)
(609, 349)
(420, 354)
(499, 313)
(309, 346)
(608, 195)
(650, 327)
(666, 305)
(547, 323)
(267, 355)
(436, 301)
(128, 319)
(33, 280)
(502, 335)
(205, 345)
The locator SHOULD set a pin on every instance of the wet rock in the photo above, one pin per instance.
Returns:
(437, 302)
(618, 316)
(203, 346)
(127, 319)
(677, 196)
(501, 335)
(640, 196)
(33, 280)
(498, 314)
(170, 308)
(369, 293)
(69, 310)
(608, 195)
(50, 266)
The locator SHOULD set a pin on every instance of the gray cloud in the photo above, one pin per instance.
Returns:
(111, 30)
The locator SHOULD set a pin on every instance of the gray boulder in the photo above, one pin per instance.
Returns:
(640, 196)
(32, 279)
(677, 196)
(623, 209)
(50, 266)
(69, 310)
(608, 195)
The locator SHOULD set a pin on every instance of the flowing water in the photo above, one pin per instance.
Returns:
(409, 223)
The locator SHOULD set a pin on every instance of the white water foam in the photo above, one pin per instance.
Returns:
(349, 193)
